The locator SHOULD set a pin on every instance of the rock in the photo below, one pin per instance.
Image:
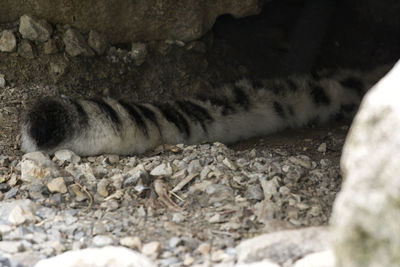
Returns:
(302, 160)
(67, 155)
(228, 163)
(263, 263)
(178, 217)
(136, 20)
(17, 212)
(102, 187)
(270, 187)
(11, 246)
(279, 247)
(75, 44)
(97, 42)
(58, 68)
(325, 258)
(8, 42)
(102, 240)
(132, 242)
(57, 185)
(194, 166)
(322, 148)
(174, 242)
(152, 249)
(204, 248)
(139, 53)
(104, 257)
(34, 29)
(2, 82)
(367, 212)
(255, 192)
(36, 166)
(26, 50)
(162, 170)
(219, 192)
(50, 47)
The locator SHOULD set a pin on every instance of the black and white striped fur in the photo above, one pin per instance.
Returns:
(245, 109)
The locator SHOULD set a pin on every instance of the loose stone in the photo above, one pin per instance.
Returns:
(8, 42)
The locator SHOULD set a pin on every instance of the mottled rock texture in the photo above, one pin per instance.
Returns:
(124, 21)
(367, 211)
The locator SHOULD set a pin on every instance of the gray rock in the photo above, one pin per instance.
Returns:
(98, 257)
(162, 170)
(132, 242)
(174, 242)
(322, 148)
(57, 185)
(136, 20)
(8, 42)
(219, 192)
(50, 47)
(34, 29)
(138, 53)
(280, 247)
(17, 212)
(255, 192)
(194, 166)
(11, 246)
(75, 44)
(102, 241)
(97, 42)
(152, 249)
(67, 155)
(37, 167)
(367, 212)
(2, 81)
(26, 50)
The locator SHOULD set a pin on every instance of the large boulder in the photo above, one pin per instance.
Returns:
(125, 21)
(366, 217)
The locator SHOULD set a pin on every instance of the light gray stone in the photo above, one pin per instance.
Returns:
(17, 212)
(67, 155)
(102, 241)
(367, 212)
(57, 185)
(97, 42)
(98, 257)
(8, 42)
(75, 44)
(37, 166)
(152, 249)
(2, 81)
(162, 170)
(50, 47)
(34, 29)
(138, 53)
(282, 246)
(11, 246)
(26, 50)
(132, 242)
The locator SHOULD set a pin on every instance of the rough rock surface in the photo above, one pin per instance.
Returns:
(284, 247)
(8, 42)
(367, 212)
(34, 29)
(135, 20)
(98, 257)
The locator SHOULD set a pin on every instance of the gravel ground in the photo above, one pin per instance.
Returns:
(179, 205)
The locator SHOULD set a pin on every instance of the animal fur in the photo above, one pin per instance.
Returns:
(247, 109)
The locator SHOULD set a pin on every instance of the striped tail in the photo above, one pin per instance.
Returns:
(92, 126)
